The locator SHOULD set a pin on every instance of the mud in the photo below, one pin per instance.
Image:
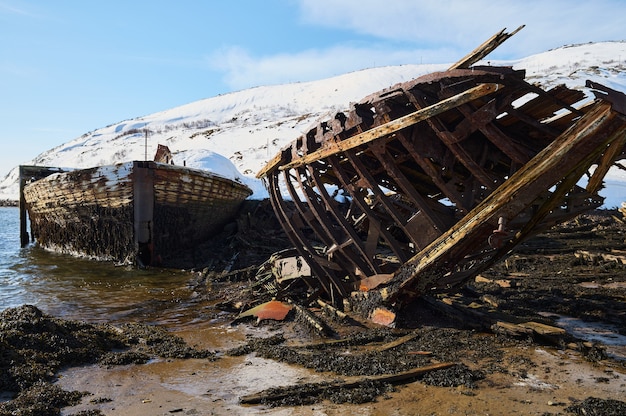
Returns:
(36, 346)
(546, 274)
(51, 366)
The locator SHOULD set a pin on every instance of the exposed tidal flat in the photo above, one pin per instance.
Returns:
(86, 338)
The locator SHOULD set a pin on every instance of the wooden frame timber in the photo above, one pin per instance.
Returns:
(422, 185)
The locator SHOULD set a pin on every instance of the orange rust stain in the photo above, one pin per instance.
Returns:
(382, 316)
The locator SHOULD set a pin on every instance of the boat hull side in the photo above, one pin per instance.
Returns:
(88, 213)
(138, 212)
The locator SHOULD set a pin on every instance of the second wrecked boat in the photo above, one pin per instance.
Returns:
(139, 212)
(425, 184)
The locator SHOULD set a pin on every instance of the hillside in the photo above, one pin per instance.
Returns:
(248, 127)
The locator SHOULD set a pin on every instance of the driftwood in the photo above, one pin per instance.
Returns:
(312, 321)
(615, 256)
(487, 318)
(280, 393)
(398, 342)
(332, 310)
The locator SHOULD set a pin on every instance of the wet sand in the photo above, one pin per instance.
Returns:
(539, 381)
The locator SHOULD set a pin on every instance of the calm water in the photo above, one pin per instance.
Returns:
(72, 288)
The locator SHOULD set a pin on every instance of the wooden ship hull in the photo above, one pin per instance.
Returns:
(423, 185)
(140, 212)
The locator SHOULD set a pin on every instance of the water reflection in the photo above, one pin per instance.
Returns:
(74, 288)
(604, 333)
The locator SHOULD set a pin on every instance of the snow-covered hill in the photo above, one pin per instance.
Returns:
(249, 127)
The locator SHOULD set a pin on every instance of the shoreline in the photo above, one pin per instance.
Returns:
(209, 364)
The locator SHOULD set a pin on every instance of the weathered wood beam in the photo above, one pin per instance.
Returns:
(610, 155)
(494, 134)
(394, 125)
(484, 49)
(594, 131)
(409, 190)
(410, 230)
(294, 232)
(331, 207)
(429, 167)
(316, 224)
(275, 161)
(454, 145)
(276, 394)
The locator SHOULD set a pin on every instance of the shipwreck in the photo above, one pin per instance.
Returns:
(140, 212)
(421, 186)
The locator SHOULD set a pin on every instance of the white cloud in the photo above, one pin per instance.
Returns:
(466, 23)
(242, 70)
(8, 8)
(422, 31)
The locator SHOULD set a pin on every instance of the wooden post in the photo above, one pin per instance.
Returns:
(23, 232)
(143, 202)
(27, 174)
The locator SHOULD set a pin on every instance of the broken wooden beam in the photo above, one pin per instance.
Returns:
(579, 146)
(392, 126)
(278, 393)
(396, 343)
(485, 48)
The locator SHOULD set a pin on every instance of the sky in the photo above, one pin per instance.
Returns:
(68, 67)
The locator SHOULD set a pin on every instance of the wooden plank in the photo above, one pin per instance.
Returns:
(395, 125)
(294, 232)
(544, 170)
(484, 49)
(434, 222)
(374, 222)
(610, 155)
(276, 393)
(430, 169)
(396, 343)
(331, 207)
(400, 220)
(311, 214)
(542, 329)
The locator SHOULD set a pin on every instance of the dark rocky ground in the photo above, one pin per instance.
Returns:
(544, 274)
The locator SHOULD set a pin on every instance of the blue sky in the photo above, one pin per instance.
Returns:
(68, 67)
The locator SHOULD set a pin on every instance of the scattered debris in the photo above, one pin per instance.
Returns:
(593, 406)
(269, 310)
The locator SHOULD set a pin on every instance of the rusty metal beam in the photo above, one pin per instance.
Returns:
(348, 230)
(395, 246)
